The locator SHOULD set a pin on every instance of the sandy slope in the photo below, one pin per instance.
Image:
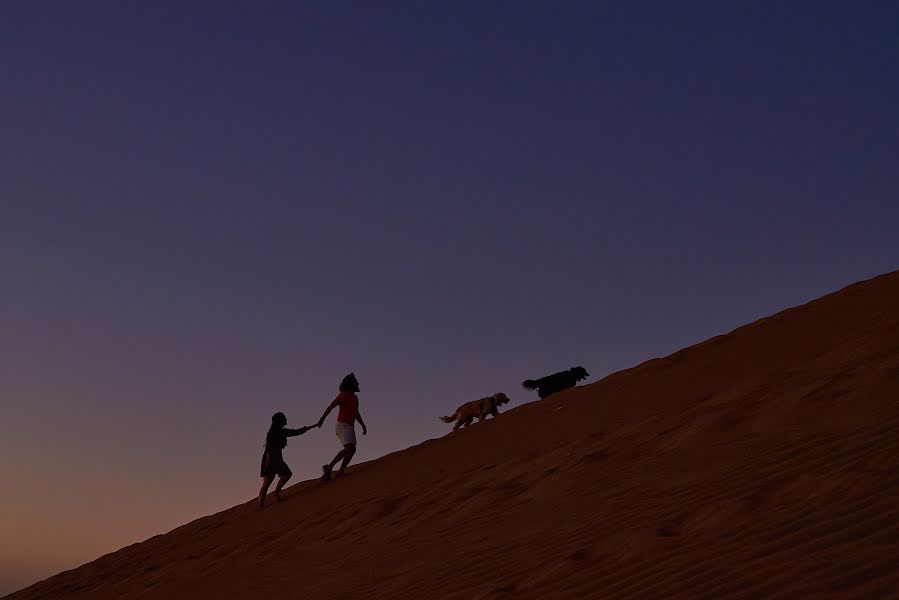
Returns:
(762, 463)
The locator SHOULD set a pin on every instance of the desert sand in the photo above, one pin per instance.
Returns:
(761, 463)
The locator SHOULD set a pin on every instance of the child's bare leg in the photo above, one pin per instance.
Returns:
(281, 481)
(338, 458)
(266, 481)
(349, 450)
(326, 469)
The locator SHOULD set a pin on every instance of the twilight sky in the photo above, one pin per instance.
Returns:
(211, 211)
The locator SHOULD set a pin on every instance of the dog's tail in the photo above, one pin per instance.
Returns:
(530, 384)
(448, 419)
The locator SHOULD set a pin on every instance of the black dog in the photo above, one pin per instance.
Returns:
(549, 385)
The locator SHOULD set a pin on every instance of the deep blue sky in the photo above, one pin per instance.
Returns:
(212, 211)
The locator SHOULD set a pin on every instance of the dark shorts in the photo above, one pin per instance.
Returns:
(273, 464)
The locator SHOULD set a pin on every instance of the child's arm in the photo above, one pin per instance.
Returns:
(331, 407)
(293, 432)
(361, 422)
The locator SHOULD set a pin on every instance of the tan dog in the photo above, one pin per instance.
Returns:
(466, 413)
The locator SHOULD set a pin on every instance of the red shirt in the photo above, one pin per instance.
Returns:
(349, 407)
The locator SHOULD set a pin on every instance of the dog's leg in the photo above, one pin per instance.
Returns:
(459, 421)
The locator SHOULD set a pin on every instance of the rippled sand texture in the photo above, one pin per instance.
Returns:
(762, 463)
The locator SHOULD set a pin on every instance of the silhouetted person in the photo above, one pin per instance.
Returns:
(272, 460)
(346, 417)
(549, 385)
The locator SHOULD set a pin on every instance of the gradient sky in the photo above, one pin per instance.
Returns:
(211, 211)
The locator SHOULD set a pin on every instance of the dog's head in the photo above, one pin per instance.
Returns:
(500, 399)
(579, 373)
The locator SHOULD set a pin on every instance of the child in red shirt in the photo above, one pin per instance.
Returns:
(344, 428)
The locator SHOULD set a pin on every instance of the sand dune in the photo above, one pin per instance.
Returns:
(761, 463)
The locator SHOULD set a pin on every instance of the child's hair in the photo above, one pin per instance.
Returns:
(349, 383)
(279, 419)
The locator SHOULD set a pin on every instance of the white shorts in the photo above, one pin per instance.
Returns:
(346, 433)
